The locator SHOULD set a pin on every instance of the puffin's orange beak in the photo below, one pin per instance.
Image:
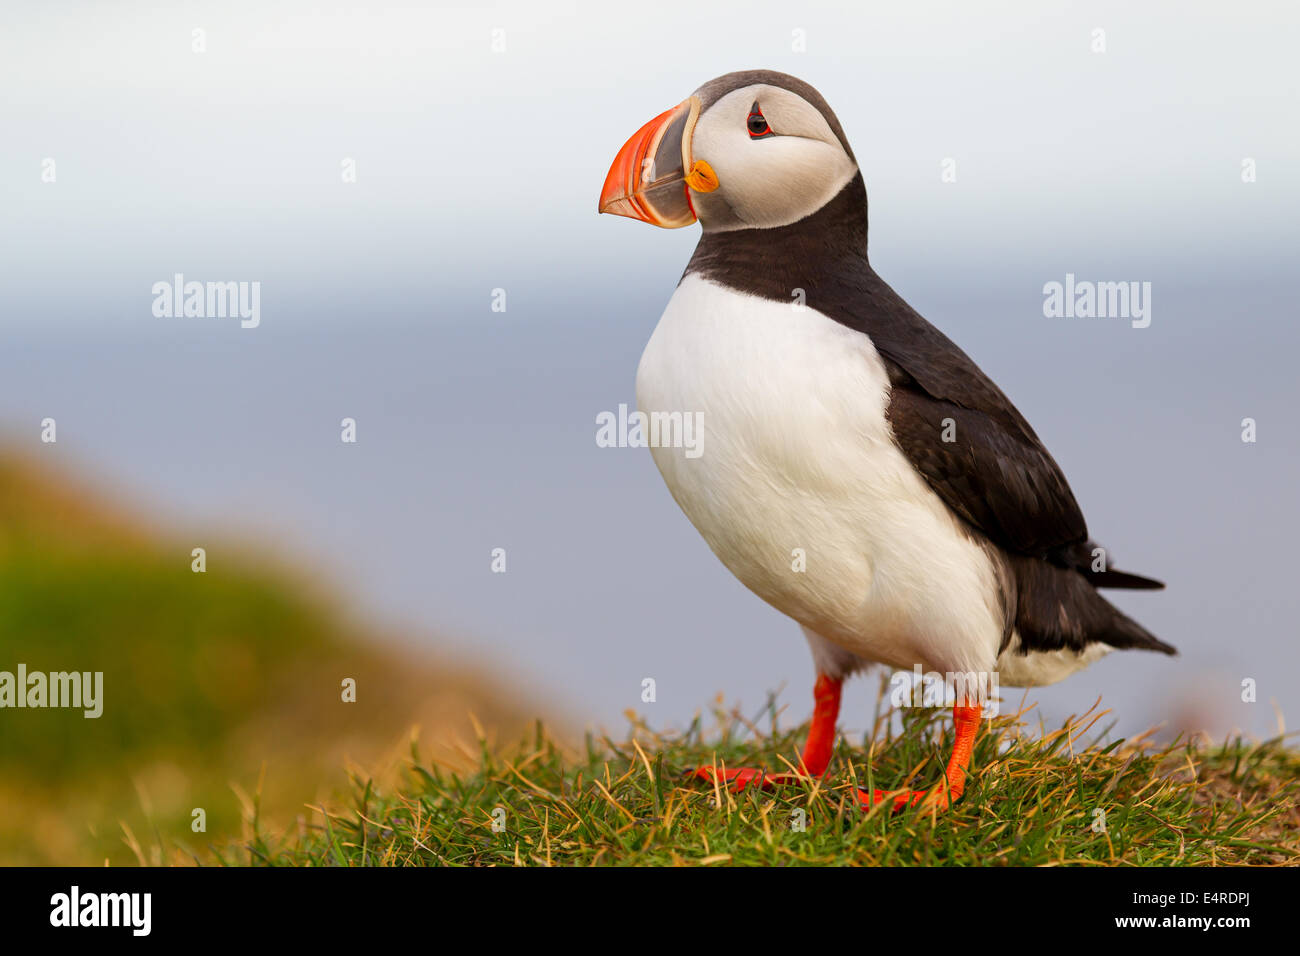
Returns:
(649, 178)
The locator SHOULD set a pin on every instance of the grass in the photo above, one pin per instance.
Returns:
(1031, 801)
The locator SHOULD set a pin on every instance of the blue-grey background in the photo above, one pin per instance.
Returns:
(479, 170)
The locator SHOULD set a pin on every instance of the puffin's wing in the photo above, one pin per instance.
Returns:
(965, 437)
(1000, 480)
(993, 470)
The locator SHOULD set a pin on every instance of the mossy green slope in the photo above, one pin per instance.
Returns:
(206, 678)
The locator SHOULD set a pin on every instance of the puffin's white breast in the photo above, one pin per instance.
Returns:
(797, 458)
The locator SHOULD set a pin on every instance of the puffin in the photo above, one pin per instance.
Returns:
(858, 472)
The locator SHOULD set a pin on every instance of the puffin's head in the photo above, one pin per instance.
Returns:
(755, 149)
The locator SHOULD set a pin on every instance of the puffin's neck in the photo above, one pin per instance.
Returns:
(813, 254)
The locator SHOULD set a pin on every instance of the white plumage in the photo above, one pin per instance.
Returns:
(798, 454)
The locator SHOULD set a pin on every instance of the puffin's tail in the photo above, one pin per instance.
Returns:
(1060, 607)
(1111, 578)
(1127, 634)
(1082, 556)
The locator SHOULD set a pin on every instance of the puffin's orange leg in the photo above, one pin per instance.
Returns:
(966, 720)
(816, 751)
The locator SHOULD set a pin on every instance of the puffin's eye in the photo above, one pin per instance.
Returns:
(757, 124)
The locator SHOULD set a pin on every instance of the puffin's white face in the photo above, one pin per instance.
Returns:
(775, 157)
(758, 156)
